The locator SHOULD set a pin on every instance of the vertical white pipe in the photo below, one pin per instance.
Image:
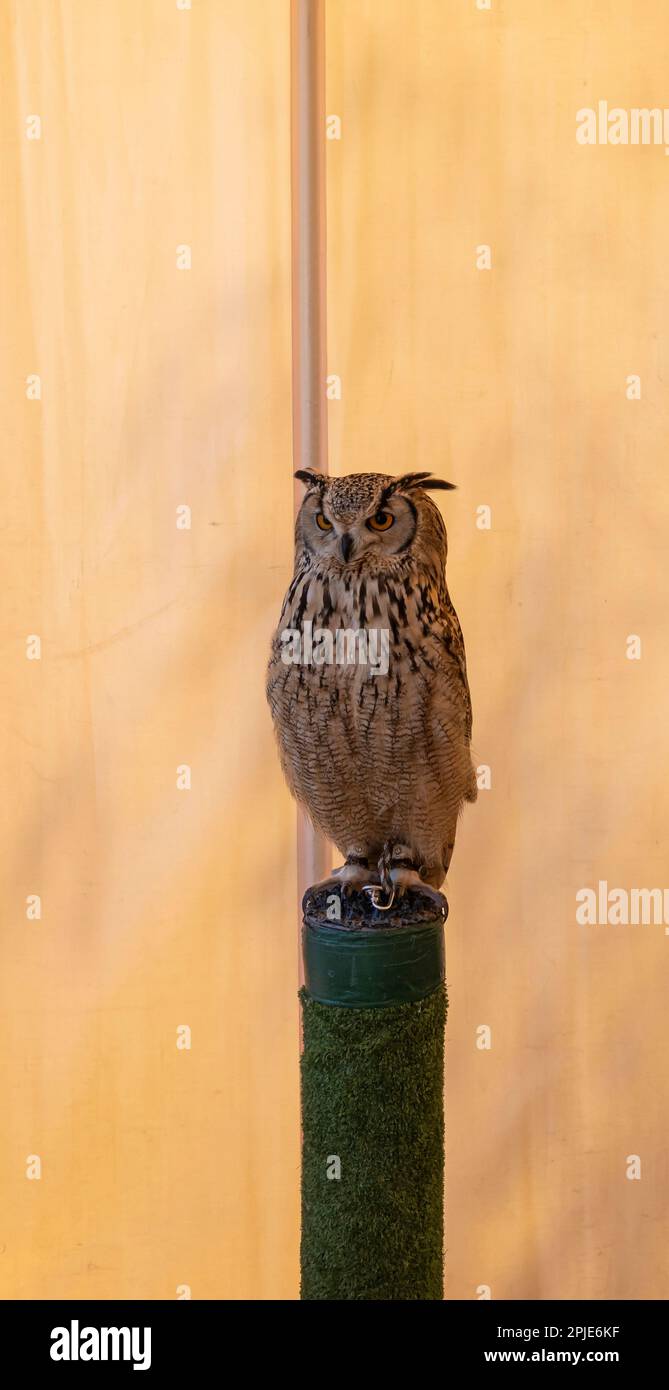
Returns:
(310, 442)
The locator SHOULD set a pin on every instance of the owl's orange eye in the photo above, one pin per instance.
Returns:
(322, 522)
(381, 522)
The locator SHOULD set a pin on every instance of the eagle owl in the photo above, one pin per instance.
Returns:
(367, 681)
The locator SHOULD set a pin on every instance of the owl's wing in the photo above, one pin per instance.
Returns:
(450, 723)
(452, 685)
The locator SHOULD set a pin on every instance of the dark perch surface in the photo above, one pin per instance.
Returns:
(357, 911)
(372, 1096)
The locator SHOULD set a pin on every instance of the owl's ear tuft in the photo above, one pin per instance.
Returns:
(310, 477)
(409, 481)
(438, 484)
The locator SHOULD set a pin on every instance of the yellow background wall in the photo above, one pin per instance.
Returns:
(458, 129)
(160, 907)
(163, 387)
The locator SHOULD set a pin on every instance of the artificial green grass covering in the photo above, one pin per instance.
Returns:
(372, 1097)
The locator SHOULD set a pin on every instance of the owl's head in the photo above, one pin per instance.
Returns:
(370, 520)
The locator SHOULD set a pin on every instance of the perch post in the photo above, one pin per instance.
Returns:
(373, 1011)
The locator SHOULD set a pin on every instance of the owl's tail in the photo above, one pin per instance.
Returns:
(472, 786)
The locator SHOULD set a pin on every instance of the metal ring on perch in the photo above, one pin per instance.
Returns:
(374, 893)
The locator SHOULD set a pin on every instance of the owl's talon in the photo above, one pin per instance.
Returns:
(403, 877)
(352, 877)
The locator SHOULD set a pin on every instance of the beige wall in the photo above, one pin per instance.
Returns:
(160, 387)
(159, 907)
(458, 128)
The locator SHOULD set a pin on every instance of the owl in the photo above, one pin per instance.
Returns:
(367, 681)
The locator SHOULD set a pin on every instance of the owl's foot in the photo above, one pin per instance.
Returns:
(399, 873)
(402, 877)
(352, 877)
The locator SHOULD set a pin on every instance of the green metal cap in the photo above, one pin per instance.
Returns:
(369, 968)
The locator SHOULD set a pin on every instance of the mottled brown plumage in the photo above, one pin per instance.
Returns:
(381, 761)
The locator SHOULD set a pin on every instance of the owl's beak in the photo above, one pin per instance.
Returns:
(346, 546)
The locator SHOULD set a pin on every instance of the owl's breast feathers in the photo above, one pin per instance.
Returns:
(374, 749)
(414, 622)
